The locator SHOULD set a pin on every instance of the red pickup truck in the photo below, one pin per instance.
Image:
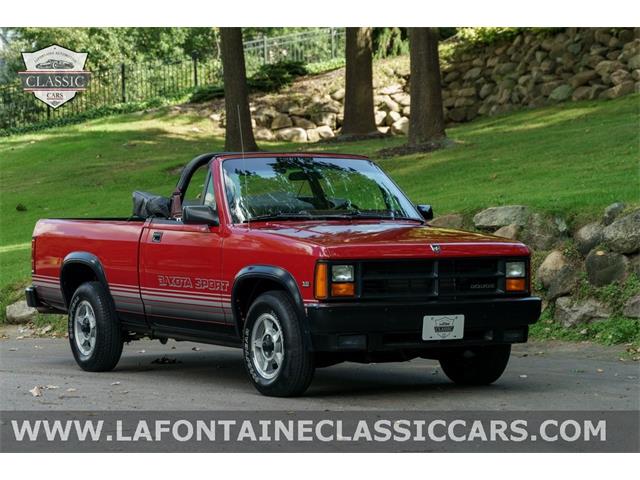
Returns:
(302, 260)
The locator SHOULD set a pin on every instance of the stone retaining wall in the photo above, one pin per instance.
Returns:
(532, 70)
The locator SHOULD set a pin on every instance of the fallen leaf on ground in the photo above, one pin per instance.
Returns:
(196, 349)
(523, 376)
(52, 387)
(36, 391)
(115, 383)
(71, 390)
(599, 370)
(46, 329)
(142, 351)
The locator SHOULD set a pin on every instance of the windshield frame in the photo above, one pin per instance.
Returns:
(412, 212)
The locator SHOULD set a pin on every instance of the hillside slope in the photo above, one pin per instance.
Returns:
(572, 159)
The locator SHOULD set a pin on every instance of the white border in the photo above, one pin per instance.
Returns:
(251, 13)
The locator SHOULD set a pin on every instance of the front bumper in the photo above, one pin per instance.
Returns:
(373, 327)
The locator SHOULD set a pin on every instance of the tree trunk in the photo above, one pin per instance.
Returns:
(358, 101)
(426, 123)
(238, 132)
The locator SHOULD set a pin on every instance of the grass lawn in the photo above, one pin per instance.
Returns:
(572, 159)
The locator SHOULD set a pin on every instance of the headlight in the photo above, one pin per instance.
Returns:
(515, 270)
(342, 273)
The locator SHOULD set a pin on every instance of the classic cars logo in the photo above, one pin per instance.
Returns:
(435, 248)
(54, 74)
(443, 327)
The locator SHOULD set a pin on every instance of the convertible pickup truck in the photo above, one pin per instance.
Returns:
(302, 260)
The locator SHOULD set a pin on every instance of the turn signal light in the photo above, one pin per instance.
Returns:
(342, 290)
(321, 285)
(516, 284)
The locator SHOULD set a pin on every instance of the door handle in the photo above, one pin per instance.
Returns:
(156, 237)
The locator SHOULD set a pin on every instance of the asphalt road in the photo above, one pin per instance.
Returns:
(540, 376)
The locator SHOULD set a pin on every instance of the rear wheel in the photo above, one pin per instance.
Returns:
(275, 354)
(94, 330)
(476, 366)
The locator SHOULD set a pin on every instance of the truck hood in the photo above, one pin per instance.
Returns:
(362, 239)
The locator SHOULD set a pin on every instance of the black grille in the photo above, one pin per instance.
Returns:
(431, 278)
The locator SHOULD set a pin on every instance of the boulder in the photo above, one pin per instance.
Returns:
(508, 231)
(612, 212)
(486, 90)
(380, 116)
(564, 282)
(452, 220)
(634, 264)
(605, 267)
(620, 76)
(391, 118)
(389, 105)
(391, 89)
(281, 121)
(632, 307)
(624, 88)
(542, 232)
(581, 93)
(550, 267)
(569, 312)
(582, 78)
(325, 132)
(338, 94)
(303, 123)
(313, 135)
(292, 134)
(623, 235)
(561, 93)
(263, 134)
(496, 217)
(402, 99)
(20, 312)
(324, 118)
(588, 237)
(401, 126)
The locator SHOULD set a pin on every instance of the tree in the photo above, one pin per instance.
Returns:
(426, 124)
(238, 134)
(358, 101)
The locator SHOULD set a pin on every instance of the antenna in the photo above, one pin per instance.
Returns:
(244, 167)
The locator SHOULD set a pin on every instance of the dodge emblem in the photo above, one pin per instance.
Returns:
(435, 247)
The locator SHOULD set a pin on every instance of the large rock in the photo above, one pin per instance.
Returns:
(542, 232)
(20, 312)
(624, 88)
(612, 212)
(496, 217)
(605, 267)
(303, 123)
(313, 135)
(281, 121)
(588, 237)
(632, 307)
(623, 235)
(561, 93)
(324, 118)
(570, 312)
(453, 220)
(509, 231)
(325, 132)
(564, 282)
(550, 267)
(401, 126)
(264, 134)
(582, 78)
(380, 116)
(292, 134)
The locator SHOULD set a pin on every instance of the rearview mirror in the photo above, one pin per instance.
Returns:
(200, 215)
(426, 211)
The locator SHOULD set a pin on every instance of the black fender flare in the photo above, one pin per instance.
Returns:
(278, 275)
(86, 259)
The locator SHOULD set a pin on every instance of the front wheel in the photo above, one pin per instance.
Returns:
(275, 355)
(94, 330)
(476, 366)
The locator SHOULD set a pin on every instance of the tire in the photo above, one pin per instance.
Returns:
(476, 366)
(94, 329)
(281, 366)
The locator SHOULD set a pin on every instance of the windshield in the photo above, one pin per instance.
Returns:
(304, 187)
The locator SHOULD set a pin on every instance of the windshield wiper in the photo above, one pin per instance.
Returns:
(380, 216)
(279, 216)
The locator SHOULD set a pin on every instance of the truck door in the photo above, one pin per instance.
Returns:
(180, 270)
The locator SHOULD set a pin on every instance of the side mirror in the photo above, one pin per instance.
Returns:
(426, 211)
(200, 215)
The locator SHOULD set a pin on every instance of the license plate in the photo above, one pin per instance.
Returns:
(442, 327)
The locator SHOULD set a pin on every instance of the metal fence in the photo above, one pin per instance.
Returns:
(130, 83)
